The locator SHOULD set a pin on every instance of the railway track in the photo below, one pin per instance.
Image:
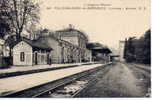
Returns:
(40, 90)
(144, 76)
(140, 72)
(145, 72)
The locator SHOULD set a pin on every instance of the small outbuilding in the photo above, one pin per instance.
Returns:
(29, 52)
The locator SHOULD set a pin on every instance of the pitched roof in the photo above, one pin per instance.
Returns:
(95, 46)
(39, 45)
(35, 44)
(56, 39)
(68, 30)
(98, 47)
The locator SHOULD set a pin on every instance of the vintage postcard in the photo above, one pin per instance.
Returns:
(75, 49)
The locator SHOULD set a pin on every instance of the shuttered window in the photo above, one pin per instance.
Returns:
(22, 56)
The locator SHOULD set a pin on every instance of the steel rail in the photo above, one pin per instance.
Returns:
(147, 70)
(143, 71)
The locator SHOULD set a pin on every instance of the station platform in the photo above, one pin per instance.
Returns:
(21, 70)
(18, 83)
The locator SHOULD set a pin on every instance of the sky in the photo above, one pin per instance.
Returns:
(103, 26)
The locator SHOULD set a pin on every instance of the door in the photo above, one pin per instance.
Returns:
(36, 60)
(48, 59)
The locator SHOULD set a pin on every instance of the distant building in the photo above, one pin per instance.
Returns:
(28, 52)
(25, 34)
(121, 50)
(34, 36)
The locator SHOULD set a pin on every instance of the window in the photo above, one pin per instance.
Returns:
(22, 56)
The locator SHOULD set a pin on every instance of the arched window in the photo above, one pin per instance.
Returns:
(22, 56)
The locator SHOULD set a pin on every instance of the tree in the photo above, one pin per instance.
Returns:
(142, 51)
(147, 47)
(4, 23)
(20, 13)
(125, 49)
(130, 50)
(138, 50)
(4, 28)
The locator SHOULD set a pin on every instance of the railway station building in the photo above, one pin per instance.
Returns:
(62, 46)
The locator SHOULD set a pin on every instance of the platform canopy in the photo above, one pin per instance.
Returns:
(98, 48)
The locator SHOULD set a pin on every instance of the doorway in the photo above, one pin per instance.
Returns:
(36, 58)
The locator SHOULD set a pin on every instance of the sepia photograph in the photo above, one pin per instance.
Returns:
(75, 49)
